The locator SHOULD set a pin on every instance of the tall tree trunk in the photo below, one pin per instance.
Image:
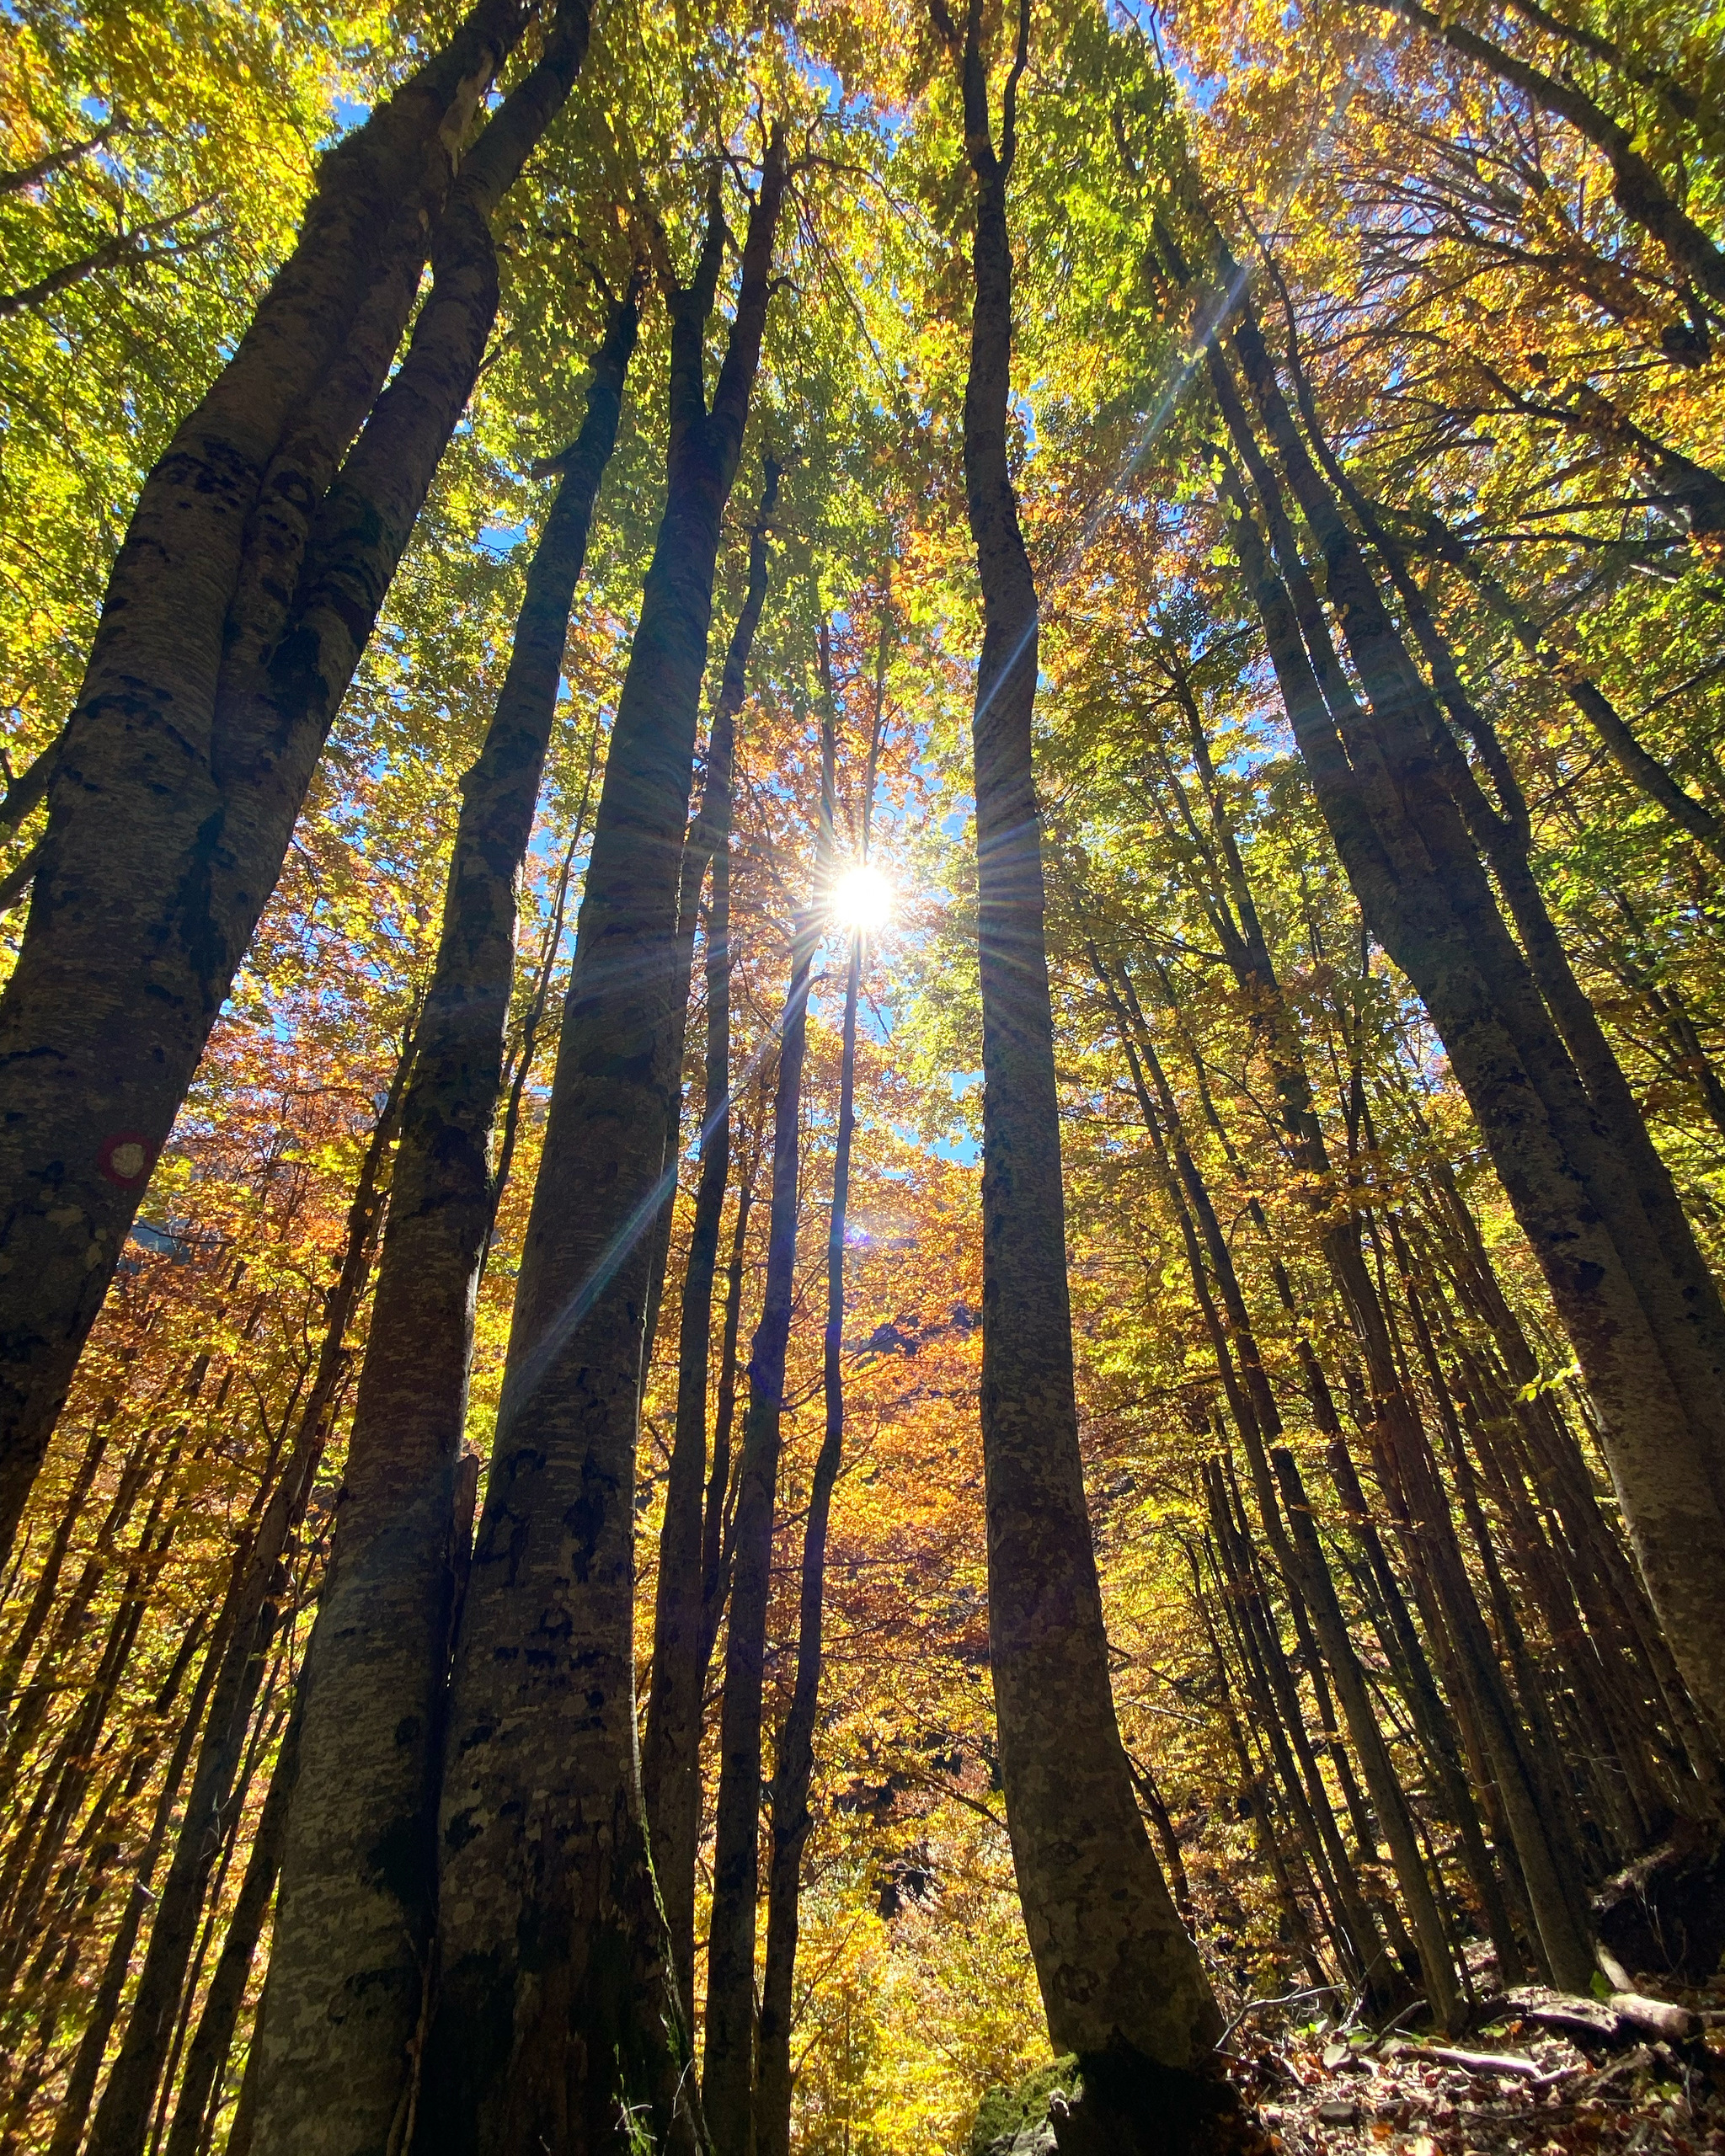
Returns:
(555, 1995)
(353, 1928)
(1234, 913)
(728, 2069)
(207, 2054)
(670, 1756)
(86, 2061)
(728, 2072)
(236, 614)
(1112, 1959)
(1642, 1313)
(793, 1767)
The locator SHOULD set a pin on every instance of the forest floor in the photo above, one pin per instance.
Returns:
(1514, 2083)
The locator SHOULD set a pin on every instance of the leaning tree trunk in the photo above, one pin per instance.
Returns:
(207, 2054)
(1112, 1959)
(554, 1992)
(353, 1927)
(235, 615)
(1638, 1305)
(670, 1756)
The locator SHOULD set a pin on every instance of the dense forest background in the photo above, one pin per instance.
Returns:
(1370, 341)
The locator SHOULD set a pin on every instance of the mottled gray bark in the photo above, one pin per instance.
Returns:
(236, 613)
(554, 1995)
(352, 1936)
(1112, 1959)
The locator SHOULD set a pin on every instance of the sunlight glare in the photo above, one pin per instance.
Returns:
(863, 898)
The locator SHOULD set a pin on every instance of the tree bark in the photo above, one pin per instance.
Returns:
(1642, 1316)
(554, 1996)
(207, 2054)
(728, 2072)
(793, 1767)
(353, 1930)
(1112, 1960)
(236, 613)
(670, 1757)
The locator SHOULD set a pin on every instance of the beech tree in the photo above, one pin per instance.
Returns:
(212, 712)
(1135, 1457)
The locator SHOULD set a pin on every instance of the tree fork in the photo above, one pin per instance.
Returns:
(352, 1935)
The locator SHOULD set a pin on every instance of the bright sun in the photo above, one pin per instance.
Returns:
(862, 898)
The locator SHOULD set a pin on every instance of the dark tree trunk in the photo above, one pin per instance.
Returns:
(1112, 1959)
(207, 2054)
(353, 1928)
(670, 1755)
(237, 612)
(554, 1993)
(86, 2061)
(793, 1767)
(728, 2069)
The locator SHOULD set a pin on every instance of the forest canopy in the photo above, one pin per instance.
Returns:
(862, 1077)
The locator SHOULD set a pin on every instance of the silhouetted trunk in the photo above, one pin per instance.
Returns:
(555, 2002)
(670, 1753)
(74, 2108)
(1112, 1960)
(728, 2069)
(352, 1933)
(207, 2054)
(794, 1766)
(236, 614)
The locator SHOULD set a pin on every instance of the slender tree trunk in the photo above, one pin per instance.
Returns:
(208, 2052)
(1643, 1318)
(728, 2078)
(554, 1995)
(256, 1594)
(728, 2068)
(353, 1930)
(1235, 915)
(86, 2061)
(794, 1754)
(236, 613)
(670, 1757)
(1112, 1959)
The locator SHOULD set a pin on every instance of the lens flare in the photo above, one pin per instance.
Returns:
(862, 900)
